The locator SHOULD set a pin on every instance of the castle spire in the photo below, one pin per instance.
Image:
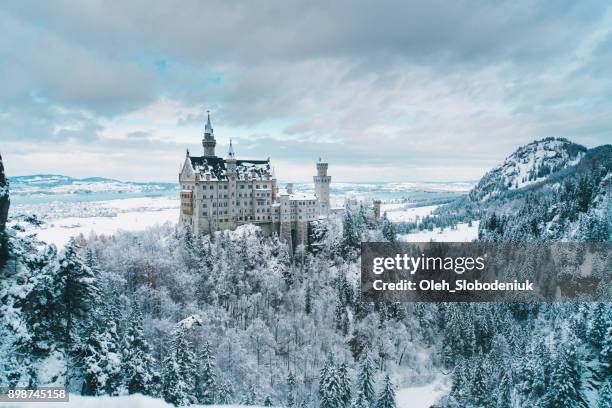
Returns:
(208, 130)
(209, 142)
(230, 152)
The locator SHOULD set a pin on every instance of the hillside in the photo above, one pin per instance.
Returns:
(528, 165)
(572, 202)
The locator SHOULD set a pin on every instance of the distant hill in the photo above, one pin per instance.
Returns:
(528, 165)
(56, 184)
(548, 190)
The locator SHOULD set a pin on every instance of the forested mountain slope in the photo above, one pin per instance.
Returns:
(572, 204)
(529, 164)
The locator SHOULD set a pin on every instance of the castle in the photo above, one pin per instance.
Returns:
(223, 193)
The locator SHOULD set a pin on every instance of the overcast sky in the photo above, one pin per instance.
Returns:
(399, 91)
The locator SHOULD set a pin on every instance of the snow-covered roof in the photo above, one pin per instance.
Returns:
(216, 168)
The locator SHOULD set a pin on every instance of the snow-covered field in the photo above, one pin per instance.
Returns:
(63, 220)
(397, 214)
(125, 401)
(463, 233)
(421, 397)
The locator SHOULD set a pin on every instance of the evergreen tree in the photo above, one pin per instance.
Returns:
(388, 229)
(479, 389)
(308, 301)
(504, 392)
(75, 293)
(341, 317)
(330, 394)
(345, 384)
(267, 401)
(350, 233)
(207, 378)
(386, 398)
(360, 401)
(565, 389)
(605, 356)
(138, 363)
(179, 371)
(225, 394)
(251, 396)
(604, 396)
(102, 361)
(291, 390)
(365, 378)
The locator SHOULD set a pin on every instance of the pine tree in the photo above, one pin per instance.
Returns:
(386, 398)
(605, 356)
(388, 229)
(75, 293)
(308, 301)
(207, 378)
(102, 361)
(350, 234)
(251, 396)
(345, 384)
(480, 392)
(565, 389)
(365, 378)
(290, 390)
(138, 364)
(225, 394)
(604, 396)
(329, 386)
(341, 317)
(267, 401)
(179, 371)
(504, 392)
(360, 401)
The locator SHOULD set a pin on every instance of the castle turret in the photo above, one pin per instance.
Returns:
(321, 184)
(209, 141)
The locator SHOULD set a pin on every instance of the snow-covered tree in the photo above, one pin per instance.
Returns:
(365, 378)
(207, 377)
(388, 229)
(386, 398)
(102, 360)
(138, 366)
(179, 371)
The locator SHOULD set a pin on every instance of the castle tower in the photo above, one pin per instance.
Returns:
(209, 141)
(230, 163)
(321, 185)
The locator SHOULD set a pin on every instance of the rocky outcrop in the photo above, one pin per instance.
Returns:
(4, 207)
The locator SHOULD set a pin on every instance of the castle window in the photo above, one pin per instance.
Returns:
(211, 187)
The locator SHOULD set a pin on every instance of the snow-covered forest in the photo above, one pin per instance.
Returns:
(235, 318)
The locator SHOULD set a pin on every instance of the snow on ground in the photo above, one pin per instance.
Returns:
(421, 397)
(124, 401)
(408, 214)
(104, 217)
(463, 233)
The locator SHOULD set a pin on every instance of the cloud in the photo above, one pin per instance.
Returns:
(396, 88)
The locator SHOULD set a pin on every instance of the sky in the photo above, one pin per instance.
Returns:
(382, 90)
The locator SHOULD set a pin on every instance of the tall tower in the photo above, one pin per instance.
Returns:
(321, 185)
(230, 164)
(209, 141)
